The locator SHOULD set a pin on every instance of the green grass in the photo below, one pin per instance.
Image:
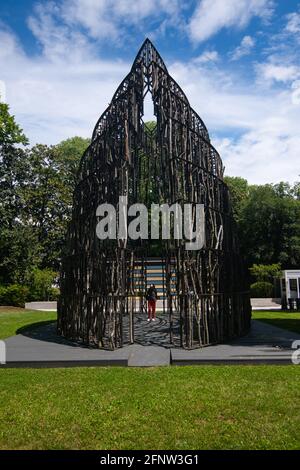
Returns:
(14, 319)
(207, 407)
(286, 320)
(202, 407)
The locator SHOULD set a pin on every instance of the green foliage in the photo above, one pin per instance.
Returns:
(269, 226)
(10, 132)
(13, 295)
(148, 187)
(54, 293)
(68, 156)
(2, 294)
(14, 237)
(19, 253)
(239, 192)
(266, 272)
(261, 289)
(41, 285)
(47, 203)
(36, 192)
(150, 126)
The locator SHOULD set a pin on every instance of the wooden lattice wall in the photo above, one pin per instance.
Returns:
(178, 162)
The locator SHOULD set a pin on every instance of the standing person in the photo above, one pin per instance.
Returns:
(152, 298)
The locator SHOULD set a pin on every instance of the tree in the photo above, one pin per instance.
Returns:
(48, 195)
(239, 192)
(41, 284)
(10, 132)
(19, 254)
(296, 190)
(265, 272)
(269, 226)
(13, 171)
(45, 207)
(13, 166)
(68, 156)
(36, 190)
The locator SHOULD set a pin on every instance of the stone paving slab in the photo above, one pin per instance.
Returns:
(154, 333)
(41, 347)
(257, 304)
(148, 356)
(264, 344)
(42, 306)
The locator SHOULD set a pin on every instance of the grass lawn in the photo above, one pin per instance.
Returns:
(201, 407)
(206, 407)
(12, 319)
(286, 320)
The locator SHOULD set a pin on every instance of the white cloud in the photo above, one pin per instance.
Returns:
(57, 40)
(261, 158)
(223, 105)
(296, 92)
(105, 19)
(53, 100)
(207, 56)
(244, 48)
(73, 28)
(293, 24)
(260, 123)
(2, 91)
(211, 16)
(9, 44)
(62, 92)
(278, 73)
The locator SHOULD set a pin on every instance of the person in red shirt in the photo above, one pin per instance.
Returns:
(152, 298)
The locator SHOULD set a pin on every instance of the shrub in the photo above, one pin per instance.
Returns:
(14, 295)
(2, 294)
(54, 293)
(41, 284)
(261, 289)
(265, 272)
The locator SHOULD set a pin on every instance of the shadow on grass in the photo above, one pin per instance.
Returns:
(46, 331)
(290, 324)
(28, 328)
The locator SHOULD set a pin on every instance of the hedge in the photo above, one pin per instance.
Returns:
(14, 295)
(261, 289)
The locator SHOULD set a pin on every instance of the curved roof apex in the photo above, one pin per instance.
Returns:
(149, 53)
(147, 56)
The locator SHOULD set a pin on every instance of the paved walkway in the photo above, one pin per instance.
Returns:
(41, 347)
(257, 304)
(264, 344)
(153, 333)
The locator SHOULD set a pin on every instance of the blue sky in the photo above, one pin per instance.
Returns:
(237, 60)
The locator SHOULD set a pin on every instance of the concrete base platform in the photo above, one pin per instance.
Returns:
(41, 347)
(256, 304)
(42, 306)
(264, 344)
(148, 356)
